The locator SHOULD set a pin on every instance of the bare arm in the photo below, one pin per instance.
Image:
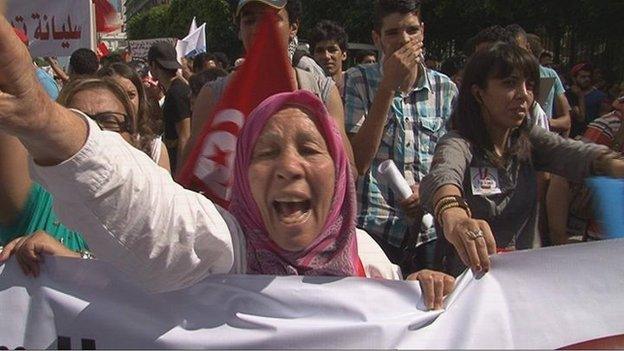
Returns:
(457, 226)
(557, 206)
(366, 141)
(578, 112)
(202, 110)
(562, 122)
(336, 110)
(183, 128)
(163, 161)
(50, 133)
(15, 180)
(58, 70)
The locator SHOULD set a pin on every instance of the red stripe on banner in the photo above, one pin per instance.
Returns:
(615, 342)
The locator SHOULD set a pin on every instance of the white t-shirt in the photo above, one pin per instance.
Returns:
(136, 217)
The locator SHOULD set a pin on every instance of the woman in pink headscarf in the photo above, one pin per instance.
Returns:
(295, 200)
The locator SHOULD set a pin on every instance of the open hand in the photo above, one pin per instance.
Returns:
(472, 238)
(402, 65)
(24, 105)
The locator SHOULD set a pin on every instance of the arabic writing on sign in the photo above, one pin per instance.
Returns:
(139, 48)
(47, 28)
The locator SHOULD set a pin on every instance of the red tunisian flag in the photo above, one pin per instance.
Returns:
(267, 71)
(107, 19)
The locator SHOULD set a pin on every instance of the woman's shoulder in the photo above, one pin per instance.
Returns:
(454, 140)
(376, 263)
(318, 84)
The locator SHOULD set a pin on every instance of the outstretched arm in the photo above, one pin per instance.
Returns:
(128, 208)
(50, 132)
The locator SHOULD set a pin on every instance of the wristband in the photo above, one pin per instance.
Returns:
(458, 202)
(450, 199)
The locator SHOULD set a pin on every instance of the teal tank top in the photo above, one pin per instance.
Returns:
(39, 215)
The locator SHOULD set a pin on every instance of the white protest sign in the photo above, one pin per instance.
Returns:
(54, 28)
(139, 48)
(530, 299)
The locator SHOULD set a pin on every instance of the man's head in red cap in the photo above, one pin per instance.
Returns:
(582, 74)
(20, 34)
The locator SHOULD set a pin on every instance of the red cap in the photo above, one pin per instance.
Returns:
(21, 35)
(580, 67)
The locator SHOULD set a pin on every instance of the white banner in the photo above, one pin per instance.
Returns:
(546, 298)
(139, 48)
(54, 28)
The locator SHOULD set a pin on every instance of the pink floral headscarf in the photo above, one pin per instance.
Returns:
(334, 251)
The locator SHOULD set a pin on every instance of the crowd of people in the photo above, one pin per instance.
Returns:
(494, 144)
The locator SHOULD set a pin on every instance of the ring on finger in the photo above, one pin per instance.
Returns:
(475, 234)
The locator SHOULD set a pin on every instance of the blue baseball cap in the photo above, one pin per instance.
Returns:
(278, 4)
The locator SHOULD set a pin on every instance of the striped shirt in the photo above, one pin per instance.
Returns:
(414, 124)
(604, 129)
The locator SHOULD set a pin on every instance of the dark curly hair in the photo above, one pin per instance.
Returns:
(329, 30)
(384, 8)
(295, 10)
(491, 35)
(83, 62)
(149, 116)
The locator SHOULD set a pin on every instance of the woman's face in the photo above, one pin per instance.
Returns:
(292, 179)
(251, 17)
(505, 102)
(104, 107)
(130, 89)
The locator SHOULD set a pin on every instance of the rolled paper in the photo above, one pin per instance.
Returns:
(390, 176)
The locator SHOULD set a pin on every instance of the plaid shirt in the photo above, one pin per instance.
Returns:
(414, 124)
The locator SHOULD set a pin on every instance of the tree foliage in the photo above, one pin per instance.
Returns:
(574, 30)
(149, 24)
(173, 20)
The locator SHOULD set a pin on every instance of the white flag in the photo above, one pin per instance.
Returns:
(193, 27)
(193, 44)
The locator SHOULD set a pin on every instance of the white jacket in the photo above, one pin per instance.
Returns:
(133, 215)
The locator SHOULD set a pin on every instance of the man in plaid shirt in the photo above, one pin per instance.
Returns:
(397, 109)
